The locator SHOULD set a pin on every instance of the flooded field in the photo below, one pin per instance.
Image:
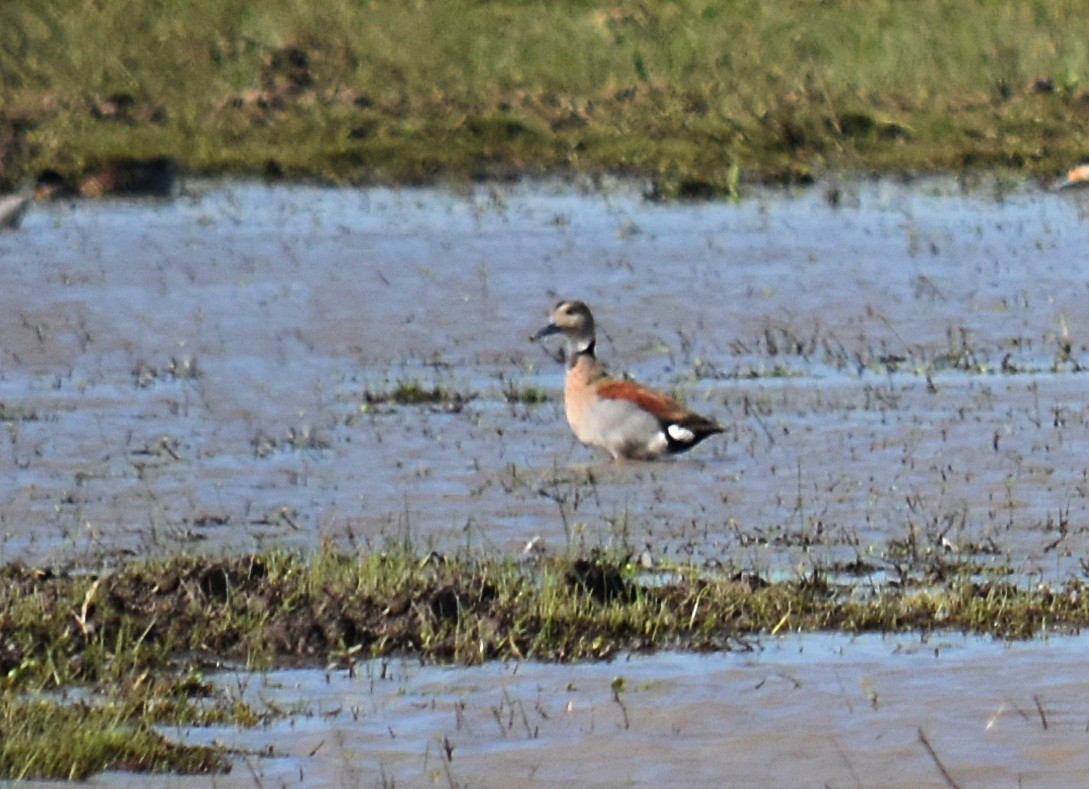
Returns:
(900, 367)
(810, 711)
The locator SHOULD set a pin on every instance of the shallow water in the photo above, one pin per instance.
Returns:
(899, 364)
(818, 710)
(191, 375)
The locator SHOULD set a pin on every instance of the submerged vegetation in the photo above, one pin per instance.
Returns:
(691, 95)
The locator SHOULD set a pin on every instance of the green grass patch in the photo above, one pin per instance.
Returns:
(687, 94)
(526, 394)
(413, 392)
(279, 607)
(48, 739)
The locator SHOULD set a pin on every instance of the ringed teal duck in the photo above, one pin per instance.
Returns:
(627, 420)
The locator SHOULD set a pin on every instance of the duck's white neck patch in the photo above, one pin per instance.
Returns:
(585, 345)
(577, 348)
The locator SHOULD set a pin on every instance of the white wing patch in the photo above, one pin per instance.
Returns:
(657, 445)
(681, 434)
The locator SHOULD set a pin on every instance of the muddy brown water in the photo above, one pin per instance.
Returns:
(895, 363)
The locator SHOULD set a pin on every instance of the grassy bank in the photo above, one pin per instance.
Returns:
(691, 94)
(283, 608)
(137, 639)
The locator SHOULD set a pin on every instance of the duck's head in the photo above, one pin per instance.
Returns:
(575, 322)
